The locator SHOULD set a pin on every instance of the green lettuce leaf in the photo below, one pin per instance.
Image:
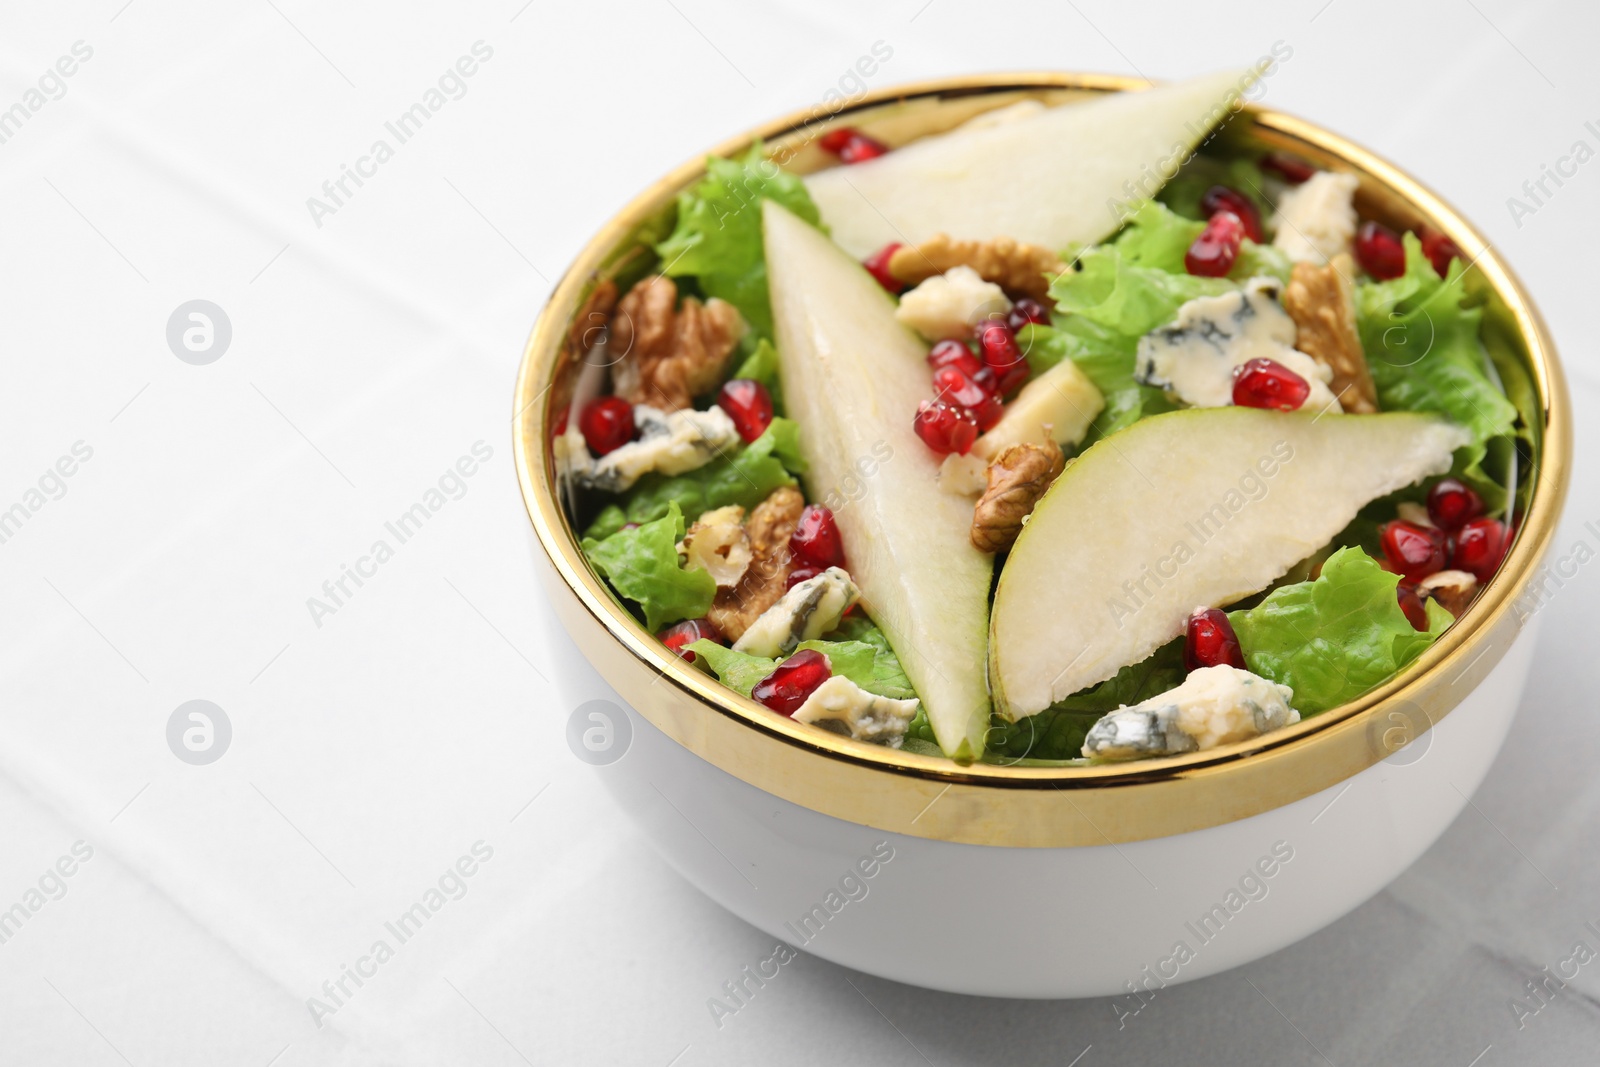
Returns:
(736, 670)
(1333, 639)
(746, 477)
(869, 663)
(761, 365)
(718, 235)
(1183, 193)
(1423, 349)
(642, 566)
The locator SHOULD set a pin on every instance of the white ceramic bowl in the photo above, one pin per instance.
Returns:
(1024, 881)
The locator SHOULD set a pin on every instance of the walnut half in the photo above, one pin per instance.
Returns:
(1322, 303)
(669, 354)
(1012, 265)
(762, 585)
(1018, 477)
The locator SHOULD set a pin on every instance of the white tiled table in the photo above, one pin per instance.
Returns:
(372, 346)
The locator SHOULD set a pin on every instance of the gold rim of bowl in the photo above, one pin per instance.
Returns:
(990, 804)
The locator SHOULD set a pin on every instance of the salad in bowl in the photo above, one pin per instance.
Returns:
(1067, 435)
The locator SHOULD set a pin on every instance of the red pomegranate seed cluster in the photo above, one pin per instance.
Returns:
(1382, 253)
(796, 678)
(688, 632)
(1266, 383)
(971, 386)
(877, 265)
(851, 145)
(1213, 252)
(607, 424)
(748, 404)
(997, 342)
(1462, 538)
(1209, 641)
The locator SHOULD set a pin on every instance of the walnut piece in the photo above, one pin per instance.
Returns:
(1018, 477)
(718, 544)
(771, 524)
(1453, 590)
(668, 354)
(1012, 265)
(1322, 302)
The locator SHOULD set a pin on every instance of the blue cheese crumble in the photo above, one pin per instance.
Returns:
(1194, 358)
(668, 443)
(843, 706)
(1214, 706)
(805, 613)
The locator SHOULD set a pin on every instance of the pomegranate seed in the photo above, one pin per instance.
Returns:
(954, 354)
(1416, 611)
(816, 538)
(1027, 310)
(1002, 356)
(607, 424)
(1291, 169)
(1221, 198)
(796, 678)
(1411, 550)
(859, 148)
(945, 428)
(877, 265)
(1440, 250)
(748, 404)
(1213, 252)
(973, 392)
(835, 139)
(1478, 547)
(1379, 251)
(1451, 503)
(800, 574)
(952, 385)
(630, 526)
(1209, 641)
(1266, 383)
(688, 632)
(998, 343)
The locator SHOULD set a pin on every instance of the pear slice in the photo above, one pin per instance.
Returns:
(1052, 178)
(852, 377)
(1190, 509)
